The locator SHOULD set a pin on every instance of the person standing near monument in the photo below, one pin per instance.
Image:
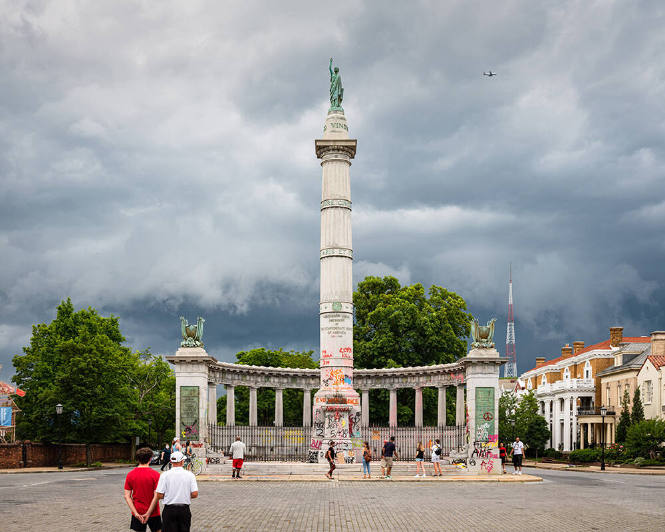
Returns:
(367, 458)
(390, 452)
(517, 452)
(177, 487)
(237, 452)
(502, 455)
(140, 487)
(166, 457)
(330, 456)
(420, 459)
(436, 457)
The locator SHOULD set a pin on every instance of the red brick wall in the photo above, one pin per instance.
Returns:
(46, 454)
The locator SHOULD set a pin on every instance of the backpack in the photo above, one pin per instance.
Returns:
(367, 455)
(438, 451)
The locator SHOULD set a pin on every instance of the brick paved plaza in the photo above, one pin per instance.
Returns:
(86, 501)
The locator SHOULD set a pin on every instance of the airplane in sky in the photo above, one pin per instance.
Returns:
(489, 74)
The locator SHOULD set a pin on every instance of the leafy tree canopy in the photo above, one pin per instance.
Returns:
(507, 417)
(644, 438)
(78, 360)
(530, 426)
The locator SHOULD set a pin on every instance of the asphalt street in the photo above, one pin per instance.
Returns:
(93, 500)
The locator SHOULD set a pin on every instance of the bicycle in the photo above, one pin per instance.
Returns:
(195, 465)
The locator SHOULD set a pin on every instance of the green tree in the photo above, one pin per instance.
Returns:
(624, 419)
(292, 399)
(645, 437)
(507, 417)
(397, 326)
(637, 414)
(77, 360)
(530, 426)
(153, 386)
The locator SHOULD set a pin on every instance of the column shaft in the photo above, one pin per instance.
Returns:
(307, 408)
(419, 407)
(566, 424)
(556, 425)
(392, 416)
(212, 403)
(441, 408)
(573, 419)
(364, 405)
(252, 407)
(460, 418)
(548, 418)
(279, 409)
(230, 406)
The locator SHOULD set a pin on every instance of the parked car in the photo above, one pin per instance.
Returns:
(155, 458)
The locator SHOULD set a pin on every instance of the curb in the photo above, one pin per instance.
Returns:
(619, 470)
(497, 479)
(28, 470)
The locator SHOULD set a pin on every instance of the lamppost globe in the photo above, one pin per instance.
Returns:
(603, 410)
(58, 409)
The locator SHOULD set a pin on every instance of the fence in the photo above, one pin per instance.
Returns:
(269, 444)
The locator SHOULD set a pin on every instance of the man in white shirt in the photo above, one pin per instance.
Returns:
(177, 487)
(517, 452)
(237, 452)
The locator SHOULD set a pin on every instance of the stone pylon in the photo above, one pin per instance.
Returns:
(336, 410)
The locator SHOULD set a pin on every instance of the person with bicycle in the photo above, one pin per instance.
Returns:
(189, 453)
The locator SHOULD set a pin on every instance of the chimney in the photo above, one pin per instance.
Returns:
(577, 347)
(616, 336)
(540, 361)
(657, 343)
(566, 351)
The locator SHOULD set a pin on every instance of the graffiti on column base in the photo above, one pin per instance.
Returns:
(487, 465)
(457, 377)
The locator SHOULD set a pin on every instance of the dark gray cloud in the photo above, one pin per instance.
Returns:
(157, 160)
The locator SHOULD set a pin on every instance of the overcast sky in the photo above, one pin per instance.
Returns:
(157, 159)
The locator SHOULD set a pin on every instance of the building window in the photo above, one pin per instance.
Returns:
(543, 380)
(566, 374)
(619, 394)
(587, 370)
(628, 390)
(607, 395)
(529, 386)
(647, 392)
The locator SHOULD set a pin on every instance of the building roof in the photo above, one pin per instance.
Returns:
(657, 360)
(636, 361)
(627, 341)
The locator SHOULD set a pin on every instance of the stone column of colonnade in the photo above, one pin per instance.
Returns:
(566, 423)
(547, 418)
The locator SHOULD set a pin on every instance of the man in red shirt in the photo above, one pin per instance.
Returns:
(140, 487)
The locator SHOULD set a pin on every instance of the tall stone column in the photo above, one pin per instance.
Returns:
(336, 404)
(582, 434)
(573, 420)
(419, 407)
(548, 419)
(212, 403)
(307, 408)
(459, 406)
(556, 425)
(230, 406)
(392, 414)
(364, 403)
(566, 424)
(252, 407)
(441, 408)
(279, 407)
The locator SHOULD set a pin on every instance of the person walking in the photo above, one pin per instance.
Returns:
(177, 487)
(188, 451)
(502, 455)
(330, 456)
(517, 452)
(237, 452)
(436, 457)
(383, 460)
(367, 458)
(420, 459)
(140, 485)
(390, 453)
(176, 446)
(166, 457)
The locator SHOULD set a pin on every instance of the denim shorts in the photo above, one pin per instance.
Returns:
(420, 459)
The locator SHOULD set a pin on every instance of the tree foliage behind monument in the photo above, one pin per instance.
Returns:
(398, 326)
(107, 391)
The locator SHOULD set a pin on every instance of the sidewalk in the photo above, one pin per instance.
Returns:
(595, 469)
(357, 478)
(105, 465)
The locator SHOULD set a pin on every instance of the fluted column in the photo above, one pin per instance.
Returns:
(230, 406)
(441, 408)
(419, 407)
(566, 424)
(556, 426)
(460, 418)
(392, 416)
(252, 407)
(364, 405)
(548, 418)
(212, 403)
(279, 408)
(307, 408)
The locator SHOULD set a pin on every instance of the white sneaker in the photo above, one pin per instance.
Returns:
(514, 472)
(416, 476)
(519, 472)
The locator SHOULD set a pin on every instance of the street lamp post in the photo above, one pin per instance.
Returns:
(58, 411)
(603, 412)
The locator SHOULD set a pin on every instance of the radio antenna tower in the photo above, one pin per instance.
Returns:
(510, 369)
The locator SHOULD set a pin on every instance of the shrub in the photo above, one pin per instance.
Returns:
(552, 453)
(584, 456)
(645, 437)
